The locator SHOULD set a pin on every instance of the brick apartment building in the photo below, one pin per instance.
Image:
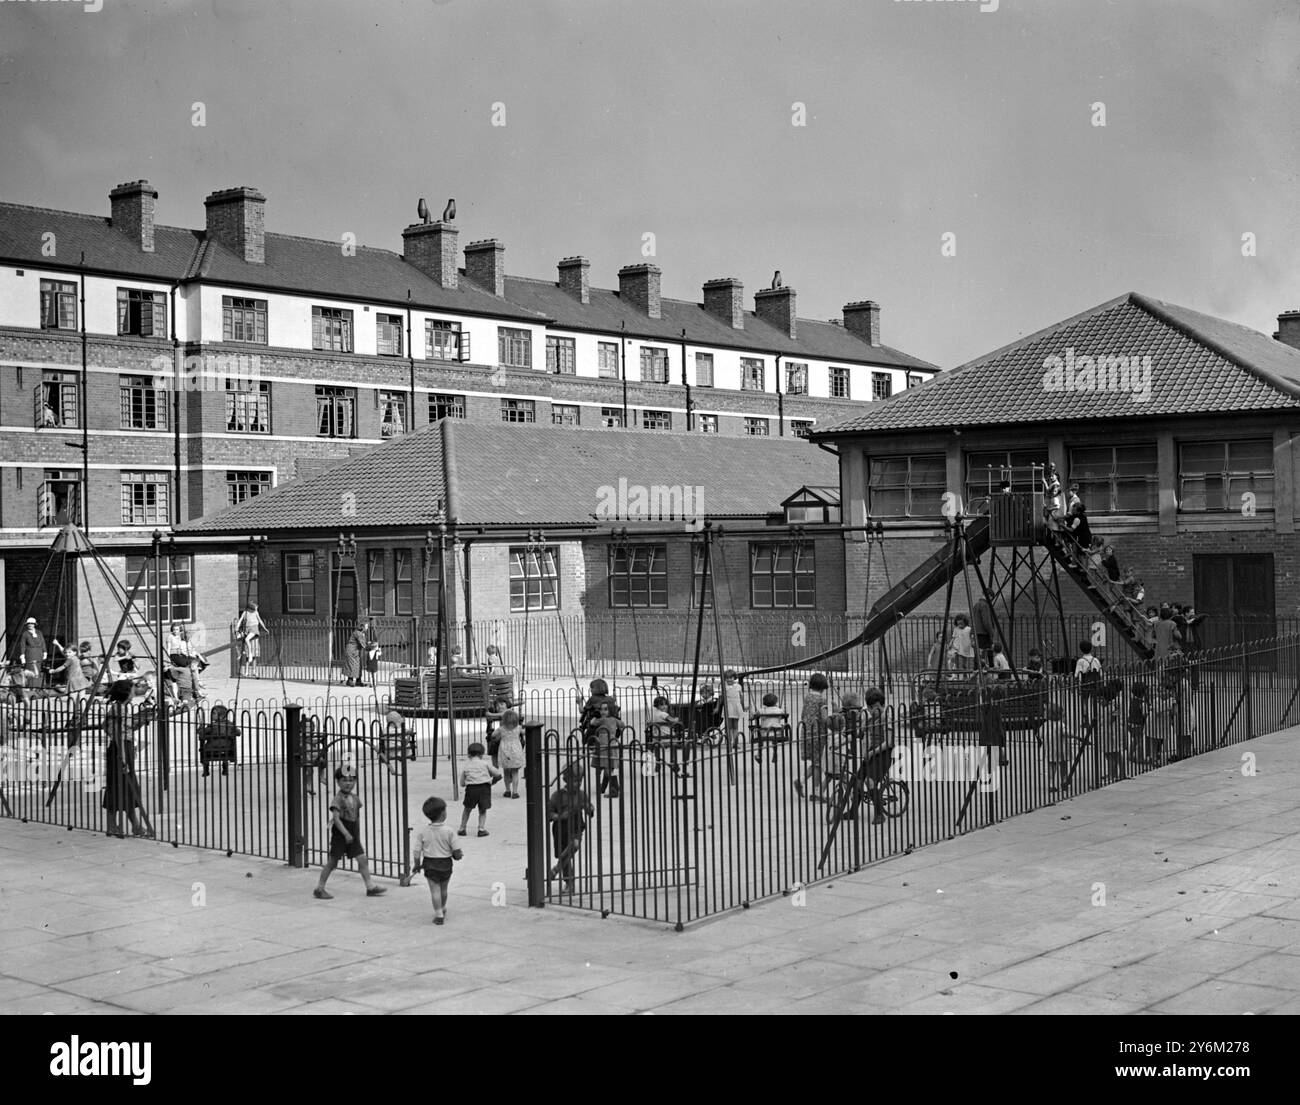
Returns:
(1180, 429)
(150, 375)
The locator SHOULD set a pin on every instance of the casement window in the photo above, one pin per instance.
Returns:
(392, 413)
(812, 508)
(249, 591)
(704, 370)
(246, 485)
(446, 406)
(171, 579)
(56, 401)
(656, 420)
(638, 576)
(299, 583)
(800, 427)
(58, 305)
(561, 356)
(248, 406)
(534, 579)
(376, 584)
(907, 487)
(403, 585)
(445, 341)
(882, 384)
(143, 406)
(796, 379)
(518, 410)
(388, 335)
(702, 591)
(985, 471)
(564, 414)
(141, 314)
(432, 580)
(331, 329)
(782, 575)
(336, 410)
(58, 499)
(707, 423)
(514, 347)
(756, 427)
(1117, 479)
(839, 383)
(145, 499)
(654, 365)
(751, 374)
(243, 319)
(611, 418)
(914, 380)
(607, 360)
(1225, 476)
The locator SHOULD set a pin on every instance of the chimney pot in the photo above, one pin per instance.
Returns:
(237, 219)
(131, 206)
(432, 248)
(863, 320)
(485, 264)
(575, 278)
(776, 306)
(1288, 328)
(639, 285)
(724, 298)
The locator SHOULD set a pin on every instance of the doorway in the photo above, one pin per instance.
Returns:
(1235, 592)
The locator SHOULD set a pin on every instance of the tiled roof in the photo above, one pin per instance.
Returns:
(607, 312)
(519, 475)
(1198, 365)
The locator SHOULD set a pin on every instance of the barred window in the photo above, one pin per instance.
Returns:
(638, 576)
(392, 413)
(518, 410)
(1117, 479)
(796, 379)
(1219, 475)
(564, 414)
(704, 370)
(388, 335)
(143, 406)
(985, 471)
(656, 420)
(141, 314)
(882, 385)
(446, 406)
(243, 319)
(336, 410)
(751, 374)
(299, 583)
(534, 579)
(607, 360)
(839, 379)
(145, 499)
(248, 406)
(561, 357)
(907, 487)
(171, 579)
(782, 576)
(58, 305)
(654, 365)
(756, 427)
(245, 485)
(331, 329)
(514, 347)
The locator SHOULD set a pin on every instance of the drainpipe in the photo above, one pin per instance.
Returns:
(780, 401)
(85, 409)
(176, 405)
(687, 384)
(410, 356)
(623, 348)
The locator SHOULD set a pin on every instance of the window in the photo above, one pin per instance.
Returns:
(169, 579)
(248, 406)
(751, 374)
(800, 427)
(58, 499)
(1218, 475)
(607, 360)
(796, 379)
(144, 407)
(144, 499)
(656, 420)
(611, 418)
(654, 365)
(915, 380)
(907, 487)
(782, 576)
(446, 406)
(985, 471)
(707, 423)
(58, 305)
(882, 385)
(431, 581)
(376, 585)
(392, 413)
(699, 590)
(560, 356)
(299, 583)
(1117, 479)
(518, 410)
(403, 589)
(245, 485)
(336, 412)
(704, 370)
(813, 509)
(388, 335)
(56, 401)
(840, 383)
(514, 347)
(564, 414)
(140, 313)
(534, 579)
(331, 329)
(638, 575)
(248, 582)
(243, 319)
(756, 427)
(444, 341)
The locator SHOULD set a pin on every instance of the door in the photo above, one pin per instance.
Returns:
(1236, 595)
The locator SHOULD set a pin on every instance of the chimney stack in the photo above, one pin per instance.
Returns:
(863, 320)
(775, 306)
(1288, 328)
(131, 205)
(432, 248)
(639, 285)
(485, 264)
(237, 219)
(724, 298)
(575, 278)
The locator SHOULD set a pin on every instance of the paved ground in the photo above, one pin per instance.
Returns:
(1178, 892)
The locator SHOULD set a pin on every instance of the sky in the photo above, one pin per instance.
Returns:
(676, 118)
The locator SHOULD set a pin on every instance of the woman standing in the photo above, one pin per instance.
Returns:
(355, 653)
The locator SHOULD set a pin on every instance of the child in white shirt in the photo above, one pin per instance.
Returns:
(435, 848)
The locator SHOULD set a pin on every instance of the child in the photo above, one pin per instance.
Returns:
(435, 848)
(567, 811)
(1094, 560)
(492, 659)
(771, 725)
(735, 705)
(218, 741)
(812, 723)
(1087, 669)
(961, 653)
(605, 733)
(398, 742)
(477, 778)
(1110, 564)
(494, 717)
(659, 726)
(510, 750)
(1056, 742)
(1001, 664)
(345, 834)
(1111, 724)
(1137, 722)
(1132, 588)
(121, 786)
(1034, 665)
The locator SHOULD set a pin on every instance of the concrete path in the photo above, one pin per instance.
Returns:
(1178, 892)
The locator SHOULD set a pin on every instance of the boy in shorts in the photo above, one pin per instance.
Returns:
(435, 848)
(345, 834)
(477, 778)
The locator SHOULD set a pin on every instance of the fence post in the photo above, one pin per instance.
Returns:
(535, 811)
(293, 812)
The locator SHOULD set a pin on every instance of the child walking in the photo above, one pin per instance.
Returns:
(510, 750)
(1112, 729)
(1056, 741)
(735, 705)
(477, 778)
(345, 834)
(812, 721)
(435, 848)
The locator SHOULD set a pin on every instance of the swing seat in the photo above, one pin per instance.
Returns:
(397, 746)
(218, 746)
